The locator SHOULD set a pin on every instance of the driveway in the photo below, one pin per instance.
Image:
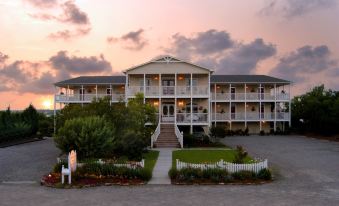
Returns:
(306, 172)
(27, 162)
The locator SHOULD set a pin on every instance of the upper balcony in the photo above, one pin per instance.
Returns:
(87, 98)
(249, 97)
(168, 91)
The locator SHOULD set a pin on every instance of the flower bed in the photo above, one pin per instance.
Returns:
(108, 172)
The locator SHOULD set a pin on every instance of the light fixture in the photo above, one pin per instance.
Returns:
(218, 87)
(218, 105)
(181, 103)
(156, 103)
(180, 77)
(263, 121)
(156, 77)
(123, 87)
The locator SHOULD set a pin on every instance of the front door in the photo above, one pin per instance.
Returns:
(167, 114)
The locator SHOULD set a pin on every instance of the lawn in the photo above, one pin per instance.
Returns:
(150, 159)
(203, 156)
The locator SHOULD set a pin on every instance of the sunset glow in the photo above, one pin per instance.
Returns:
(43, 42)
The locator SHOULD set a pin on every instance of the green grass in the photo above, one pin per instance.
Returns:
(150, 159)
(203, 156)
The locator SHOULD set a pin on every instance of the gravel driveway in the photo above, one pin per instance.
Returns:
(307, 173)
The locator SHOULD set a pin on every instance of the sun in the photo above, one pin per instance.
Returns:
(47, 104)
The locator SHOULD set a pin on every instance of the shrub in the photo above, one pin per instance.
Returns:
(264, 174)
(173, 173)
(89, 136)
(109, 170)
(240, 155)
(133, 146)
(244, 175)
(246, 131)
(262, 133)
(217, 131)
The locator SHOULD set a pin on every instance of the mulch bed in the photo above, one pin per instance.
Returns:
(19, 141)
(54, 180)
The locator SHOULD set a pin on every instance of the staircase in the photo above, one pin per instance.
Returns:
(167, 137)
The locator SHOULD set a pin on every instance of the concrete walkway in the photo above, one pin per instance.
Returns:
(162, 166)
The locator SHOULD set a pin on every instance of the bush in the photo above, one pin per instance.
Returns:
(217, 131)
(262, 133)
(109, 170)
(244, 175)
(133, 146)
(240, 155)
(89, 136)
(264, 174)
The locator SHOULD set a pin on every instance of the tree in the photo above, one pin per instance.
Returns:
(31, 117)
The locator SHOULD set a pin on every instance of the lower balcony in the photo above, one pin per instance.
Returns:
(250, 116)
(86, 98)
(194, 118)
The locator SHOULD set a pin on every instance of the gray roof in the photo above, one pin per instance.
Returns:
(93, 80)
(246, 79)
(214, 79)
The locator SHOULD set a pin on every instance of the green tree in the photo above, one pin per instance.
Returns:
(31, 117)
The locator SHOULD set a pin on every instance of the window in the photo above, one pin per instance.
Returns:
(108, 91)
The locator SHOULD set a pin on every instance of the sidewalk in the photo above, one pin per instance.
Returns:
(163, 165)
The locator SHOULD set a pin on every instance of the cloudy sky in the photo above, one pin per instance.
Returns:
(45, 41)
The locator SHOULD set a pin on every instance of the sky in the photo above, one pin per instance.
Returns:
(46, 41)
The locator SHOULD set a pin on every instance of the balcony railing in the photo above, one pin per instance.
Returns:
(249, 96)
(194, 117)
(168, 90)
(87, 97)
(269, 116)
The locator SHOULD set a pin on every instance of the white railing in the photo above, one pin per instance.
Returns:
(152, 91)
(155, 135)
(230, 167)
(195, 117)
(132, 90)
(252, 116)
(200, 90)
(87, 97)
(129, 164)
(249, 96)
(167, 90)
(283, 116)
(183, 90)
(220, 116)
(180, 136)
(238, 116)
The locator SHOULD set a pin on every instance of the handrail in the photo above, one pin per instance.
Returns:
(155, 135)
(180, 136)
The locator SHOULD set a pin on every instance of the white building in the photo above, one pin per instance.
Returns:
(188, 95)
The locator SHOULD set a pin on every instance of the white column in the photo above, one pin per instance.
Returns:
(160, 89)
(144, 88)
(289, 105)
(245, 107)
(209, 112)
(215, 104)
(230, 100)
(275, 107)
(175, 98)
(160, 92)
(82, 97)
(191, 126)
(111, 90)
(126, 89)
(96, 91)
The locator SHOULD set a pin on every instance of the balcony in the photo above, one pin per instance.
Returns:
(169, 90)
(249, 96)
(250, 116)
(86, 98)
(194, 117)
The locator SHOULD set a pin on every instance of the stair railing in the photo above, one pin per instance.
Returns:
(155, 135)
(180, 136)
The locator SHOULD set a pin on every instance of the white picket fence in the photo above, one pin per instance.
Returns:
(131, 165)
(231, 167)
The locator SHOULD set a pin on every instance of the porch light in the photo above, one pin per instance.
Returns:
(263, 121)
(156, 77)
(181, 103)
(156, 103)
(218, 87)
(180, 77)
(123, 87)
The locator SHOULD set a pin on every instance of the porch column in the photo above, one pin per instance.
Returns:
(67, 93)
(275, 107)
(160, 92)
(144, 88)
(111, 90)
(230, 104)
(175, 98)
(245, 107)
(215, 104)
(82, 97)
(191, 84)
(289, 105)
(96, 91)
(126, 89)
(209, 112)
